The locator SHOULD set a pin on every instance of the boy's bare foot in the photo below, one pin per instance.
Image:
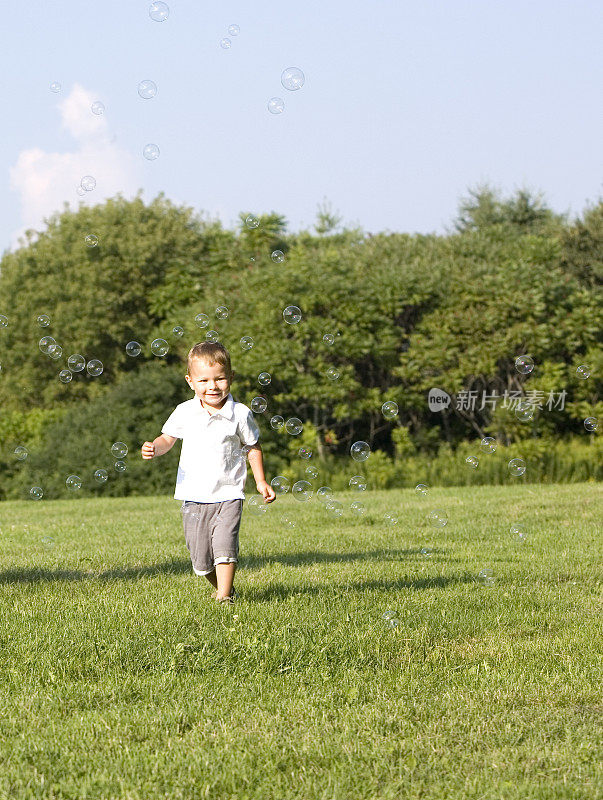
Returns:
(229, 599)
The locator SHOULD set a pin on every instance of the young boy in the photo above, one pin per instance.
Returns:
(211, 475)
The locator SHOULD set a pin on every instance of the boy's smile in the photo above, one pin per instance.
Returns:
(210, 383)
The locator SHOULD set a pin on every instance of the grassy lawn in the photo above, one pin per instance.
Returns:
(120, 678)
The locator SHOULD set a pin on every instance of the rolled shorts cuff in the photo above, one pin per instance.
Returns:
(218, 560)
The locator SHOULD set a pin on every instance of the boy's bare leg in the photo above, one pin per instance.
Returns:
(211, 577)
(225, 575)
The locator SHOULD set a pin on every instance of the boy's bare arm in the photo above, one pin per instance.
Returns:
(256, 462)
(158, 446)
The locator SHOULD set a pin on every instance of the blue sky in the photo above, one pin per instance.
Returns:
(405, 106)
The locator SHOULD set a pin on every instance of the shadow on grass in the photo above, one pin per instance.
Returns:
(38, 574)
(281, 592)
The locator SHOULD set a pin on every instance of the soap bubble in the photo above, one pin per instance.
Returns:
(20, 452)
(518, 532)
(426, 552)
(202, 320)
(212, 336)
(36, 493)
(360, 451)
(525, 411)
(332, 374)
(304, 452)
(302, 491)
(277, 422)
(55, 87)
(43, 320)
(294, 426)
(472, 462)
(277, 256)
(264, 378)
(147, 89)
(119, 450)
(233, 30)
(324, 493)
(178, 330)
(357, 483)
(276, 105)
(47, 541)
(222, 312)
(292, 79)
(3, 321)
(45, 343)
(159, 11)
(335, 507)
(251, 221)
(259, 405)
(76, 362)
(246, 342)
(98, 108)
(488, 444)
(486, 576)
(292, 315)
(80, 191)
(257, 505)
(151, 151)
(88, 183)
(311, 471)
(120, 466)
(389, 614)
(357, 507)
(328, 338)
(91, 240)
(280, 484)
(101, 475)
(437, 518)
(288, 522)
(73, 482)
(517, 466)
(591, 424)
(390, 518)
(94, 367)
(524, 364)
(65, 375)
(133, 349)
(583, 372)
(225, 43)
(422, 489)
(55, 351)
(389, 409)
(159, 347)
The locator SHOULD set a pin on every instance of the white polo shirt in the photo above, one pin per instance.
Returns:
(212, 466)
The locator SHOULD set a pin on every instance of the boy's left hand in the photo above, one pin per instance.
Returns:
(266, 490)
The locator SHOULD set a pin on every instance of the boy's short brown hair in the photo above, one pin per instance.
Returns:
(210, 353)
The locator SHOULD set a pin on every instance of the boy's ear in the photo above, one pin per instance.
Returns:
(232, 374)
(187, 378)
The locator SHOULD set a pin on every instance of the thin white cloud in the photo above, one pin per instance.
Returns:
(45, 181)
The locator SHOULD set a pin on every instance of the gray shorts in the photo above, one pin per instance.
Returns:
(211, 531)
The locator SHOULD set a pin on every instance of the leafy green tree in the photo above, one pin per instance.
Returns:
(97, 298)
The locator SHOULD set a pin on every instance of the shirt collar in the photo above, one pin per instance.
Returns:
(227, 410)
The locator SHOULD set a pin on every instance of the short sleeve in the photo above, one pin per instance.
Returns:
(247, 429)
(174, 425)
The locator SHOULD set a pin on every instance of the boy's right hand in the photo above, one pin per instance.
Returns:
(148, 450)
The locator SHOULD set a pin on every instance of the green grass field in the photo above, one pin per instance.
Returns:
(120, 678)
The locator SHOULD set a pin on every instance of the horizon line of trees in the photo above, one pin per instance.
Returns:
(385, 316)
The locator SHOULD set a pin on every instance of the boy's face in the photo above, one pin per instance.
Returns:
(209, 382)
